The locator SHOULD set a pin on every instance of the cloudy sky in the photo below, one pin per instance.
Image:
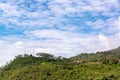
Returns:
(60, 27)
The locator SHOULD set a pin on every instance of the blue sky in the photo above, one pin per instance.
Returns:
(60, 27)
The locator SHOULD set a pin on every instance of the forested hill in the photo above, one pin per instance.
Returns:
(43, 66)
(110, 55)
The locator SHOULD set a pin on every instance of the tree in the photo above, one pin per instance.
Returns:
(45, 56)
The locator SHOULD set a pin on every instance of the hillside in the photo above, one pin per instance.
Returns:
(110, 55)
(44, 66)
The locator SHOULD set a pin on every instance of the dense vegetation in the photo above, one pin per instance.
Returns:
(95, 66)
(111, 56)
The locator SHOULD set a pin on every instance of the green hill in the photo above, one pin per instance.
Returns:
(111, 56)
(95, 66)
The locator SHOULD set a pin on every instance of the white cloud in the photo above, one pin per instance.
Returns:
(107, 26)
(56, 42)
(98, 24)
(118, 22)
(57, 9)
(104, 41)
(19, 44)
(9, 10)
